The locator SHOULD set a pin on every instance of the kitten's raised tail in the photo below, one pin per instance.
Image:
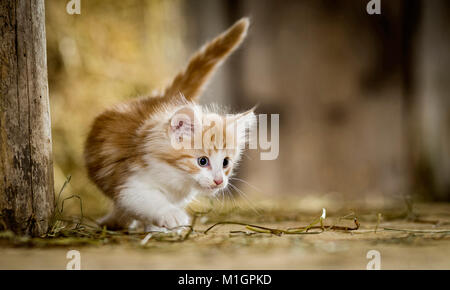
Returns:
(202, 65)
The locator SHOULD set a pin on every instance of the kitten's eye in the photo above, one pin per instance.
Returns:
(226, 161)
(203, 161)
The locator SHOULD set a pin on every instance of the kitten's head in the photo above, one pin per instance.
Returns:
(207, 146)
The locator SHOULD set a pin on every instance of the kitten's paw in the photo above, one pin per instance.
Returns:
(172, 218)
(153, 228)
(134, 225)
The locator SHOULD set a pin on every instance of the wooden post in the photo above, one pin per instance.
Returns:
(26, 170)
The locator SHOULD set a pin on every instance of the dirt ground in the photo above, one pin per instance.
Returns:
(418, 239)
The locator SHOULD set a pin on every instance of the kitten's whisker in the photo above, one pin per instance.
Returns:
(242, 180)
(252, 206)
(222, 201)
(246, 155)
(217, 198)
(231, 197)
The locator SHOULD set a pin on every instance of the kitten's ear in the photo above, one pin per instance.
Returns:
(183, 124)
(243, 121)
(247, 117)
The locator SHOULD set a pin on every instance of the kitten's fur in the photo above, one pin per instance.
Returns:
(129, 155)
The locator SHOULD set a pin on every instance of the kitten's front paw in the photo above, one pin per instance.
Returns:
(173, 217)
(153, 228)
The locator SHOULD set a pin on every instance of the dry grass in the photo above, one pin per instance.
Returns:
(231, 235)
(238, 220)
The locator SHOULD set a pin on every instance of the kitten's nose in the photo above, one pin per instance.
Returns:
(218, 181)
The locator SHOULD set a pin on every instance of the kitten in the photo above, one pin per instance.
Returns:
(132, 151)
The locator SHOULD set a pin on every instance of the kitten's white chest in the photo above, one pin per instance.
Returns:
(174, 184)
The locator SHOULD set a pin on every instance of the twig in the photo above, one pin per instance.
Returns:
(419, 231)
(378, 222)
(289, 231)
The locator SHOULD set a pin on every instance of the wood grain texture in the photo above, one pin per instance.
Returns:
(26, 170)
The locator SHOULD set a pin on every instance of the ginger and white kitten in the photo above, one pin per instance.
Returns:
(131, 155)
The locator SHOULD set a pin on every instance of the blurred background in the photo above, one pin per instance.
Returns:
(364, 100)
